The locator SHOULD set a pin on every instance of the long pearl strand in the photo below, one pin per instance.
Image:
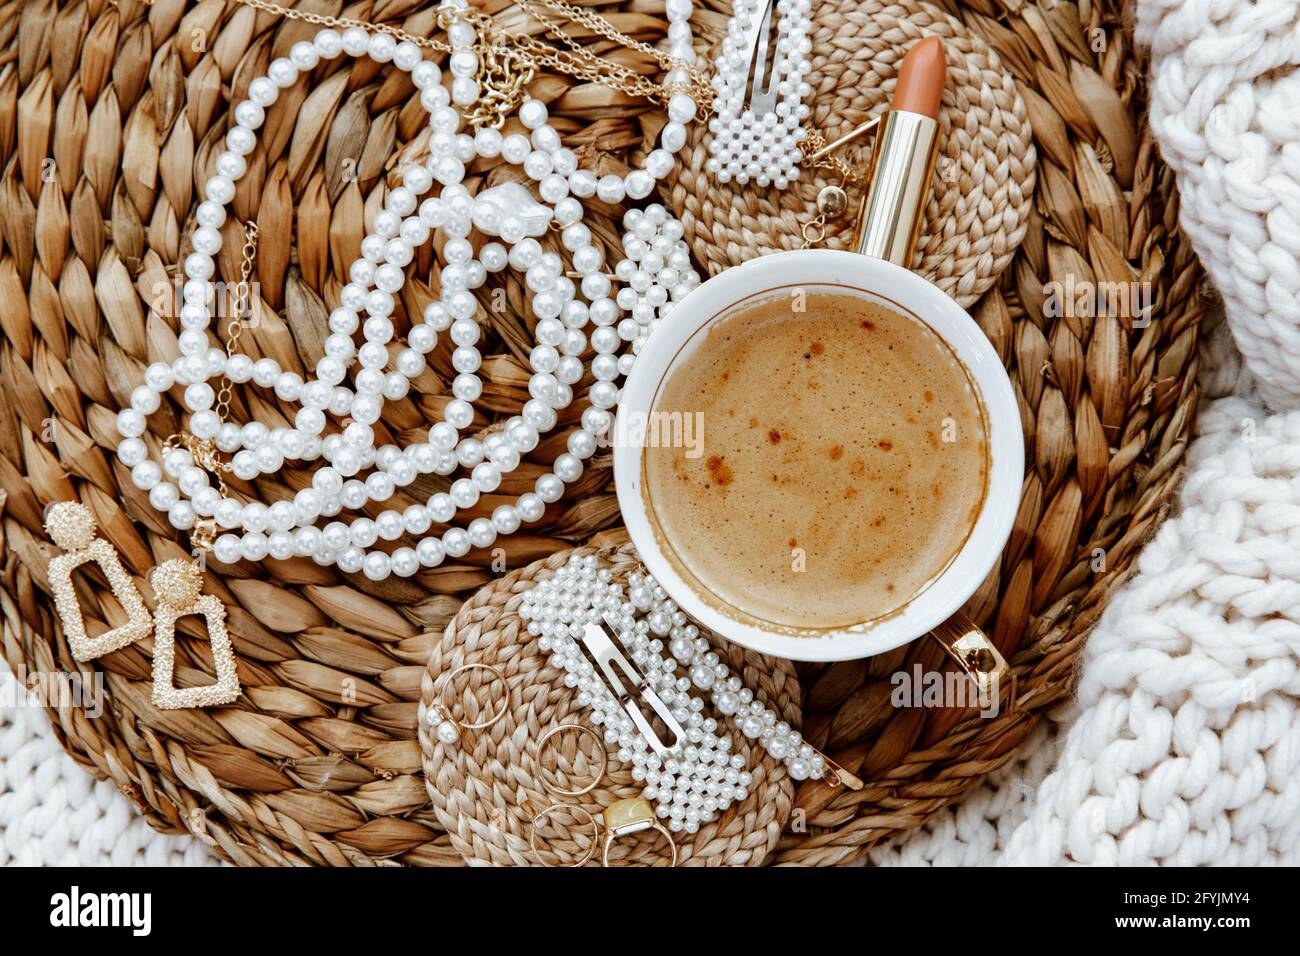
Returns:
(702, 776)
(657, 270)
(766, 149)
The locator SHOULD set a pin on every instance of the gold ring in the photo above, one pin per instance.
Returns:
(611, 836)
(632, 815)
(469, 667)
(595, 833)
(582, 729)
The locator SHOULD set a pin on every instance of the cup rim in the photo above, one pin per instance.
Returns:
(950, 588)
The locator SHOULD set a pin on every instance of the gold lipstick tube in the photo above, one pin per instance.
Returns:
(889, 223)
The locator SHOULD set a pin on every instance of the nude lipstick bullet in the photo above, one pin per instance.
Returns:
(902, 164)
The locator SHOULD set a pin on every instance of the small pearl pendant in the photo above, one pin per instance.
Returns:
(448, 733)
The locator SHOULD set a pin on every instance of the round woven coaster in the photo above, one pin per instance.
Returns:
(486, 788)
(984, 178)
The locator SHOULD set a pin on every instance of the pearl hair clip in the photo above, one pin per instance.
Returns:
(702, 775)
(610, 662)
(759, 79)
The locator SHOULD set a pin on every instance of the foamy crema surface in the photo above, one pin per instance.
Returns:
(844, 460)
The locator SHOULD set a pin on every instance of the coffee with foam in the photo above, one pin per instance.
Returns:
(844, 460)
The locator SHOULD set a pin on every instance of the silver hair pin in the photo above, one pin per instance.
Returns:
(596, 638)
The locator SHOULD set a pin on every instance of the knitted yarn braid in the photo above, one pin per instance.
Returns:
(1224, 89)
(53, 813)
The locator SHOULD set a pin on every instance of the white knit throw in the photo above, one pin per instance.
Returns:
(1225, 106)
(1183, 745)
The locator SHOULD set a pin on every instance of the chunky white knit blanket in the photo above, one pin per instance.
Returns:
(1183, 745)
(1225, 106)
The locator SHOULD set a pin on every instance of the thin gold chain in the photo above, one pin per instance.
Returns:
(241, 305)
(205, 452)
(511, 55)
(698, 87)
(346, 23)
(816, 141)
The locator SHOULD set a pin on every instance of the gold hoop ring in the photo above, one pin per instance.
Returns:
(595, 833)
(447, 682)
(581, 729)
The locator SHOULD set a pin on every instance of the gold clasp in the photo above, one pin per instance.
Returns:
(861, 129)
(204, 535)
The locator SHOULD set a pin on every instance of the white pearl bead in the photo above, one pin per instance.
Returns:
(533, 113)
(263, 91)
(282, 72)
(456, 543)
(582, 183)
(610, 189)
(406, 55)
(328, 44)
(447, 732)
(377, 566)
(640, 183)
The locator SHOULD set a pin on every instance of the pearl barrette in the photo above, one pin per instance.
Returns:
(657, 272)
(757, 131)
(693, 782)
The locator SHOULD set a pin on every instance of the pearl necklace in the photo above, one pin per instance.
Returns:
(657, 272)
(702, 776)
(764, 148)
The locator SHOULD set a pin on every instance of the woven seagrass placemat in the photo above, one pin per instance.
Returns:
(486, 788)
(984, 178)
(109, 113)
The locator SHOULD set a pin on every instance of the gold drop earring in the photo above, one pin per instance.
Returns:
(71, 526)
(178, 584)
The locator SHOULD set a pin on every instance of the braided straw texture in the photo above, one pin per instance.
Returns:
(109, 118)
(486, 788)
(984, 181)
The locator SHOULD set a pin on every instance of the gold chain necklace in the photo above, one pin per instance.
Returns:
(511, 60)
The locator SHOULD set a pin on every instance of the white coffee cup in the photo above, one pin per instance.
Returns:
(934, 609)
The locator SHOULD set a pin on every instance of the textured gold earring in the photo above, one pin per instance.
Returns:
(178, 584)
(72, 527)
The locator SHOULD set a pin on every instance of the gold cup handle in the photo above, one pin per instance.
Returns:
(977, 657)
